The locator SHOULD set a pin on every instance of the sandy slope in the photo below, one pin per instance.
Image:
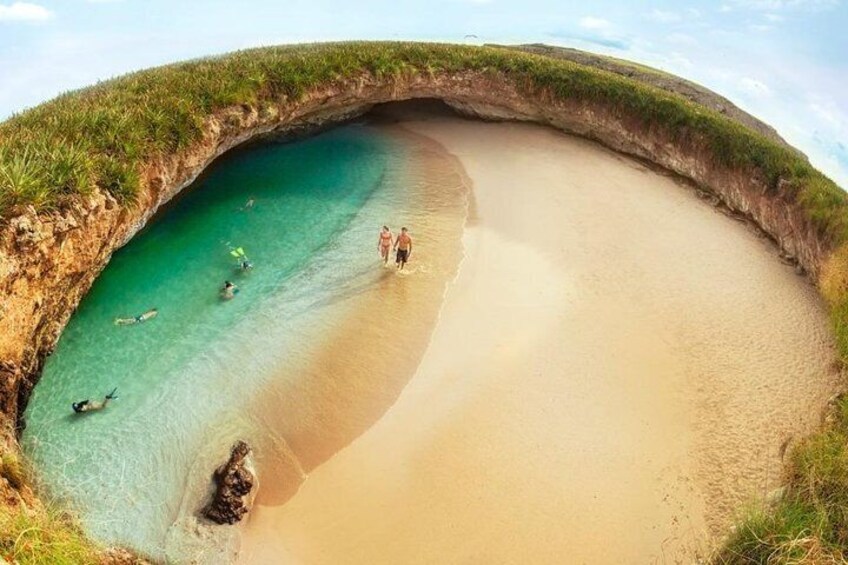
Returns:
(614, 371)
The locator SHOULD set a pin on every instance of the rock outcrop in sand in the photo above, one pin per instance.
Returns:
(234, 484)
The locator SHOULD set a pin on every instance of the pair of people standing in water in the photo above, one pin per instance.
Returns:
(403, 244)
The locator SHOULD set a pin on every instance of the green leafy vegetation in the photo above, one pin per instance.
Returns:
(103, 137)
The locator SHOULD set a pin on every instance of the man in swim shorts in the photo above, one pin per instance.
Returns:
(89, 406)
(403, 244)
(384, 244)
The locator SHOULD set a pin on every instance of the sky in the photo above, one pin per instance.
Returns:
(785, 61)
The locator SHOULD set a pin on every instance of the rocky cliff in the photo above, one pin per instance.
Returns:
(49, 261)
(658, 79)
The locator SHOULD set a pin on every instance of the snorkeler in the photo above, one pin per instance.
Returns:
(89, 406)
(384, 244)
(229, 291)
(152, 313)
(244, 264)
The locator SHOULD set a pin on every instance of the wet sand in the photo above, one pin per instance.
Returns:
(614, 371)
(359, 366)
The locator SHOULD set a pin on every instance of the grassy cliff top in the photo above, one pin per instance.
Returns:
(658, 78)
(102, 136)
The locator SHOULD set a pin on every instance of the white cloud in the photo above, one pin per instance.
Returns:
(775, 5)
(598, 32)
(827, 132)
(754, 88)
(591, 22)
(663, 16)
(24, 12)
(719, 75)
(682, 39)
(830, 114)
(679, 61)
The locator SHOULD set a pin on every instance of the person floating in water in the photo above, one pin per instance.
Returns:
(403, 244)
(244, 264)
(248, 205)
(384, 244)
(229, 291)
(152, 313)
(89, 406)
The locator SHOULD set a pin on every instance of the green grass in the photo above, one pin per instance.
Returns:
(38, 535)
(105, 136)
(786, 533)
(43, 537)
(810, 523)
(12, 469)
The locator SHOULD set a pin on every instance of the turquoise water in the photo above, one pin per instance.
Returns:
(182, 377)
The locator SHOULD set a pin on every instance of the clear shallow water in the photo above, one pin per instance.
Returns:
(184, 377)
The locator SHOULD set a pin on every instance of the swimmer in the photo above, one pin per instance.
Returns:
(403, 244)
(244, 264)
(89, 406)
(229, 291)
(384, 244)
(249, 204)
(152, 313)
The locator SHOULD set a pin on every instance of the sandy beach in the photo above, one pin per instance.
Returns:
(319, 402)
(613, 374)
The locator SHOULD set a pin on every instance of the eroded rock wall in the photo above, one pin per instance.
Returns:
(49, 261)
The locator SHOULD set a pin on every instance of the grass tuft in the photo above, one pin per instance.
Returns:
(810, 524)
(45, 537)
(780, 535)
(12, 469)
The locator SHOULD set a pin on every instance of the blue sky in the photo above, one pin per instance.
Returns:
(785, 61)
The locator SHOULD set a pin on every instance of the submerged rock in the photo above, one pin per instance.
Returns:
(235, 480)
